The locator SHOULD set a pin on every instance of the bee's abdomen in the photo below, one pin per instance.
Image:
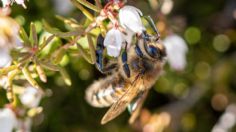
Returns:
(104, 93)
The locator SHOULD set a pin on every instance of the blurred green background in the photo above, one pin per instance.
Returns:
(204, 89)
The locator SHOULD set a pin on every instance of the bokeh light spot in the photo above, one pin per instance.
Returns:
(20, 20)
(84, 74)
(192, 35)
(188, 121)
(221, 43)
(202, 70)
(219, 102)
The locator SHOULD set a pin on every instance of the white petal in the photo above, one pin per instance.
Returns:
(5, 58)
(113, 51)
(7, 120)
(129, 17)
(113, 42)
(6, 3)
(20, 2)
(128, 37)
(176, 49)
(31, 97)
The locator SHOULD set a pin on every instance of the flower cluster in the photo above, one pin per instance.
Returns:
(20, 117)
(129, 24)
(8, 39)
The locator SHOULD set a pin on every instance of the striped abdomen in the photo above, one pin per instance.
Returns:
(105, 92)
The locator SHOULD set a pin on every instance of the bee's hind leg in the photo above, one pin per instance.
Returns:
(124, 61)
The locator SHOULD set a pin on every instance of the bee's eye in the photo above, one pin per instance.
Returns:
(153, 51)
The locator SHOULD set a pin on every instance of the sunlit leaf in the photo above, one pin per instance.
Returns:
(91, 48)
(65, 76)
(41, 72)
(58, 55)
(89, 5)
(83, 10)
(24, 37)
(84, 54)
(58, 33)
(29, 77)
(49, 66)
(33, 35)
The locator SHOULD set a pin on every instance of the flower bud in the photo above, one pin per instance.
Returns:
(113, 42)
(129, 17)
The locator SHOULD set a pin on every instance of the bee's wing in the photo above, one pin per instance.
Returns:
(118, 107)
(139, 103)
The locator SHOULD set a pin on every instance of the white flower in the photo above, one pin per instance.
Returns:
(5, 58)
(9, 29)
(113, 42)
(129, 17)
(21, 2)
(8, 120)
(6, 3)
(31, 97)
(176, 49)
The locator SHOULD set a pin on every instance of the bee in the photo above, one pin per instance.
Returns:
(136, 71)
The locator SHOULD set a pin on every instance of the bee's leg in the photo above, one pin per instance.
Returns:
(99, 53)
(109, 67)
(124, 61)
(138, 51)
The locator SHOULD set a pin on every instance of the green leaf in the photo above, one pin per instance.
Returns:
(84, 54)
(58, 55)
(33, 35)
(71, 22)
(83, 10)
(89, 5)
(29, 77)
(58, 33)
(49, 66)
(91, 48)
(24, 37)
(65, 76)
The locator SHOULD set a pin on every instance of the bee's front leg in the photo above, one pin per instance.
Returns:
(99, 53)
(124, 61)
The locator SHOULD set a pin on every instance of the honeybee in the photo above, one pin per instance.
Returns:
(132, 77)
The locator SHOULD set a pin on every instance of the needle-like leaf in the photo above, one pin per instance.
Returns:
(89, 5)
(33, 35)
